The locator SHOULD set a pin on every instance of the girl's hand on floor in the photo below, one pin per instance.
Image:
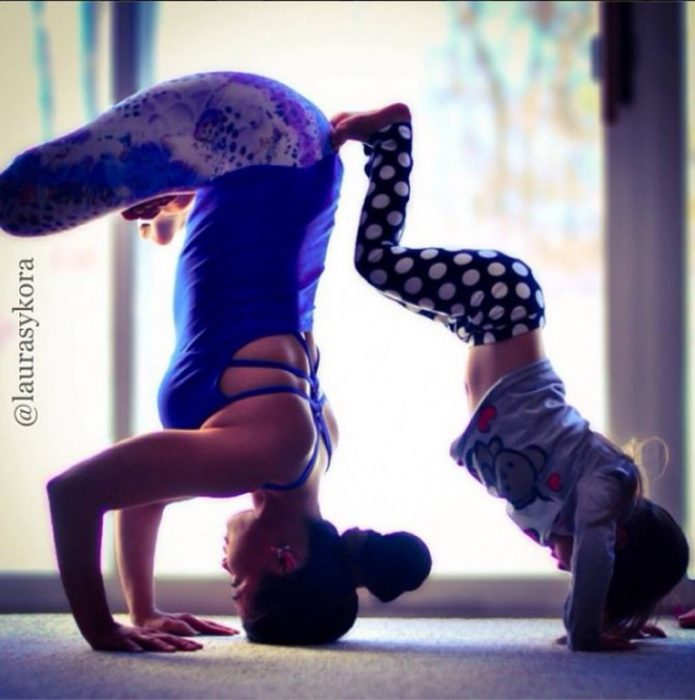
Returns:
(611, 642)
(649, 631)
(139, 639)
(608, 642)
(687, 620)
(183, 625)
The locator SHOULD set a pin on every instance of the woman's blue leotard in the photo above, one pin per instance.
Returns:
(255, 247)
(316, 399)
(254, 251)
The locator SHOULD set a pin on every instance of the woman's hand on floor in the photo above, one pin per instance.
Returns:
(139, 639)
(183, 625)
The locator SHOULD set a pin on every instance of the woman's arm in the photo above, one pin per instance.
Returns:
(136, 539)
(152, 468)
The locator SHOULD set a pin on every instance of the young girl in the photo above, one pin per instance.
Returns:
(567, 487)
(241, 403)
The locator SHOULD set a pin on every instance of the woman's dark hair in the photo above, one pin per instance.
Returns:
(317, 604)
(650, 563)
(388, 565)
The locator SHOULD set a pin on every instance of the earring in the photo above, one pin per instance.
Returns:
(280, 552)
(284, 557)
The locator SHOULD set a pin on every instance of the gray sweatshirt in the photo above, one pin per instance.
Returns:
(527, 445)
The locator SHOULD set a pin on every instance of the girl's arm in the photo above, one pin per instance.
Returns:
(600, 500)
(136, 539)
(148, 469)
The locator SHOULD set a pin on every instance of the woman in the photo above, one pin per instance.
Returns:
(241, 404)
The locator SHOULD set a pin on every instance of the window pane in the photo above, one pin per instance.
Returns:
(65, 369)
(507, 155)
(690, 279)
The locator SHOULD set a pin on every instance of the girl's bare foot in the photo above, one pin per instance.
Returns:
(359, 126)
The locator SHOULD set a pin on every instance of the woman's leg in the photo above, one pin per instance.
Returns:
(173, 137)
(483, 295)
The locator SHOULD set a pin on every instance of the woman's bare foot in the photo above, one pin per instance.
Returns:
(359, 126)
(161, 217)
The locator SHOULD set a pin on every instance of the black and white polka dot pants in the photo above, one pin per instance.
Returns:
(481, 295)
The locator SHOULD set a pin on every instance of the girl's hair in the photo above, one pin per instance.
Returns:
(317, 604)
(650, 563)
(639, 452)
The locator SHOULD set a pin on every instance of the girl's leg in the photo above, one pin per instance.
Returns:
(481, 295)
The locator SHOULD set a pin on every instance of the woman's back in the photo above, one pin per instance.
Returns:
(254, 251)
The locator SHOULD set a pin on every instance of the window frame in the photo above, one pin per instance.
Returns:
(645, 161)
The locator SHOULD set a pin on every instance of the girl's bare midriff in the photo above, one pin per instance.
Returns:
(283, 421)
(489, 363)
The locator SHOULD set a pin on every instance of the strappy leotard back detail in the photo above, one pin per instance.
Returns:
(315, 398)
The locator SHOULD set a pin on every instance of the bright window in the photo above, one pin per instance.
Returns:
(508, 155)
(66, 370)
(690, 279)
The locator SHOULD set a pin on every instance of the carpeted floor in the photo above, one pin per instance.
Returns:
(42, 656)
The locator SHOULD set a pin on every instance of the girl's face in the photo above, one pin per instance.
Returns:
(561, 547)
